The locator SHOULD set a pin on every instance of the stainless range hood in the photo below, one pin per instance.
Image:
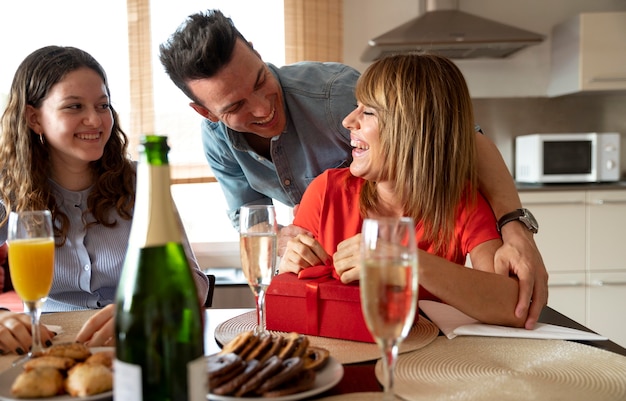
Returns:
(445, 30)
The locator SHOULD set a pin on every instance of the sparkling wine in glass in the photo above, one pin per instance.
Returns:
(389, 286)
(258, 231)
(31, 263)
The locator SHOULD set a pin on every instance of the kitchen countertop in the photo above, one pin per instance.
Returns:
(602, 186)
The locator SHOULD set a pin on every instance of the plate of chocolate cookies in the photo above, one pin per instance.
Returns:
(281, 367)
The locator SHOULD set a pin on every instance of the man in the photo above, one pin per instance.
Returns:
(269, 131)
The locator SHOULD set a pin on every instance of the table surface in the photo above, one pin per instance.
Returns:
(358, 377)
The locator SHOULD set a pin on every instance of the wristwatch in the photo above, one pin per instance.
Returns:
(522, 215)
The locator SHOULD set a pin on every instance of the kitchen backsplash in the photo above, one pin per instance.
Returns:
(502, 119)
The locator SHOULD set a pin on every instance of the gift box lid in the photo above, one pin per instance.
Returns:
(289, 285)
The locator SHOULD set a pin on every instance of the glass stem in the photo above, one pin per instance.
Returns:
(34, 310)
(390, 356)
(260, 312)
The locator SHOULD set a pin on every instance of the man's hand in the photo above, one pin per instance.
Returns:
(519, 256)
(99, 329)
(286, 234)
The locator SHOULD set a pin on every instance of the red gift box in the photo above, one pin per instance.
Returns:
(321, 306)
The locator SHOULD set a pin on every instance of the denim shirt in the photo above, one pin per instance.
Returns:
(317, 97)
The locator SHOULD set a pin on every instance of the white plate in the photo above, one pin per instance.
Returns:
(325, 379)
(8, 376)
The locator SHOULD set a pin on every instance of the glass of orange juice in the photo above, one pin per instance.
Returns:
(31, 263)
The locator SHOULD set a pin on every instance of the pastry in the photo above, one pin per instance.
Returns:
(51, 361)
(102, 358)
(77, 351)
(88, 379)
(38, 383)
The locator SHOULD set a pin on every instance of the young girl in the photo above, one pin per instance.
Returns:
(62, 149)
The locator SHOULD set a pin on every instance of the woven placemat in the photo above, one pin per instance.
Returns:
(422, 333)
(478, 368)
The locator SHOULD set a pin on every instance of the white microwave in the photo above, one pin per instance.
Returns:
(567, 157)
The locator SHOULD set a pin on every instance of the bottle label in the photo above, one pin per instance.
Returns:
(127, 381)
(197, 380)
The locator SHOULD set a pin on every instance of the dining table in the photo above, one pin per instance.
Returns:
(357, 377)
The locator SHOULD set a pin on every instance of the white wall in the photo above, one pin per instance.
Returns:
(523, 74)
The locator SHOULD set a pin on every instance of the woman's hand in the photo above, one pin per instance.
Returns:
(346, 259)
(99, 329)
(303, 251)
(15, 334)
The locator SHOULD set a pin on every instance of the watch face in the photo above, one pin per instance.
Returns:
(529, 220)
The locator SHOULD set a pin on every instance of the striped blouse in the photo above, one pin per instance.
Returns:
(88, 267)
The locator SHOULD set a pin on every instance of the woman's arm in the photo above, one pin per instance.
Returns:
(487, 297)
(519, 254)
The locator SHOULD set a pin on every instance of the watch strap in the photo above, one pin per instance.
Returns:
(521, 215)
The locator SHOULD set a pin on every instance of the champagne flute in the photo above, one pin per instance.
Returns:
(258, 231)
(31, 263)
(389, 286)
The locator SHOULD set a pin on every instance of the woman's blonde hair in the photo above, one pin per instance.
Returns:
(427, 138)
(24, 159)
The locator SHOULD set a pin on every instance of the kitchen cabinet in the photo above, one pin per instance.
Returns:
(589, 54)
(581, 240)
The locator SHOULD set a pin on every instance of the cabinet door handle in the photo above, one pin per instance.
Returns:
(602, 283)
(559, 203)
(607, 79)
(567, 284)
(608, 202)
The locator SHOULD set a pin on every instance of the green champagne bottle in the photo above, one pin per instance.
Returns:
(158, 318)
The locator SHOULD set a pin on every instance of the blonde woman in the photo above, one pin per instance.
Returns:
(414, 154)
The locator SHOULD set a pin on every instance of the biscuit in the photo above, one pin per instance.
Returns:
(238, 343)
(220, 364)
(291, 341)
(270, 367)
(302, 343)
(252, 367)
(277, 343)
(303, 382)
(264, 343)
(217, 381)
(315, 358)
(290, 368)
(249, 346)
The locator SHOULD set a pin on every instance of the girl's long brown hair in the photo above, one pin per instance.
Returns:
(427, 137)
(24, 160)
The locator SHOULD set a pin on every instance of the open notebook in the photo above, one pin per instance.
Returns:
(453, 322)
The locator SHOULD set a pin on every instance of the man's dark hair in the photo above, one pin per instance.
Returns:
(199, 48)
